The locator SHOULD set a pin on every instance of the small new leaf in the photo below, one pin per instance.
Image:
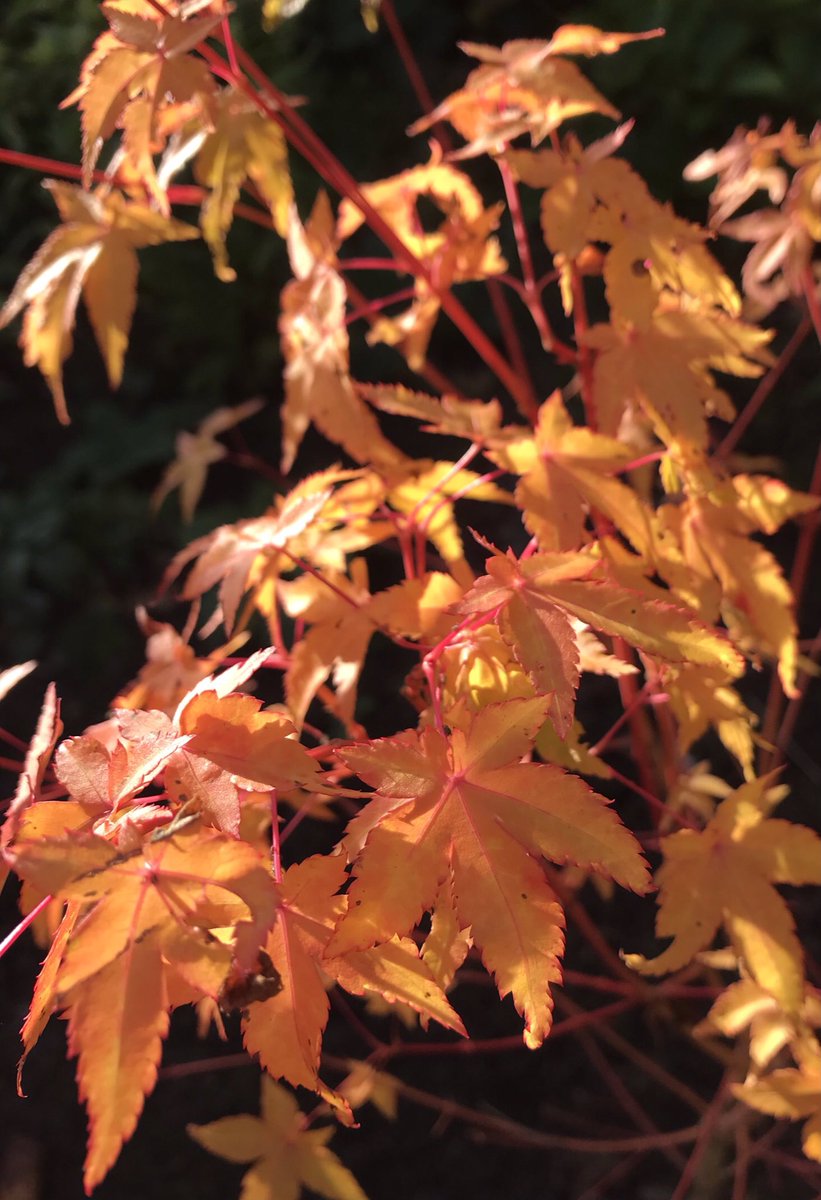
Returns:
(286, 1156)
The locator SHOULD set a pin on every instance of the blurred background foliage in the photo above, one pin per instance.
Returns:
(80, 546)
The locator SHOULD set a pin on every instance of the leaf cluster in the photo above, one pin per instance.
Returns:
(155, 849)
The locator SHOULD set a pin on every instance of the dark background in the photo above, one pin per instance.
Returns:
(80, 547)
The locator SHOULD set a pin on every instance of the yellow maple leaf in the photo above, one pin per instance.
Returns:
(700, 699)
(567, 471)
(461, 248)
(724, 876)
(664, 369)
(473, 419)
(92, 253)
(135, 69)
(746, 1005)
(243, 145)
(285, 1154)
(728, 571)
(794, 1093)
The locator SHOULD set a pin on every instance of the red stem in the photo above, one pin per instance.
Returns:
(370, 264)
(706, 1130)
(276, 105)
(761, 393)
(581, 325)
(276, 850)
(532, 292)
(771, 733)
(412, 69)
(370, 307)
(19, 929)
(228, 41)
(510, 336)
(13, 740)
(810, 290)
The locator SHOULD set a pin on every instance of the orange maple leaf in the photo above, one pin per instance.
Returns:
(465, 802)
(522, 87)
(286, 1030)
(461, 248)
(535, 599)
(151, 907)
(315, 343)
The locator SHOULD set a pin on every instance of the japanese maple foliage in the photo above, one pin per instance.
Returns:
(154, 848)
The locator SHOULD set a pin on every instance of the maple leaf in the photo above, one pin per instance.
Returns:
(473, 419)
(447, 945)
(243, 145)
(747, 1005)
(566, 471)
(195, 454)
(192, 879)
(117, 1023)
(724, 875)
(425, 492)
(237, 556)
(465, 802)
(38, 756)
(286, 1030)
(461, 248)
(593, 198)
(365, 1084)
(479, 668)
(725, 568)
(337, 641)
(315, 343)
(534, 599)
(254, 745)
(44, 997)
(135, 69)
(745, 164)
(700, 699)
(92, 253)
(11, 676)
(171, 668)
(784, 237)
(764, 503)
(285, 1154)
(106, 767)
(664, 370)
(157, 902)
(522, 87)
(792, 1092)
